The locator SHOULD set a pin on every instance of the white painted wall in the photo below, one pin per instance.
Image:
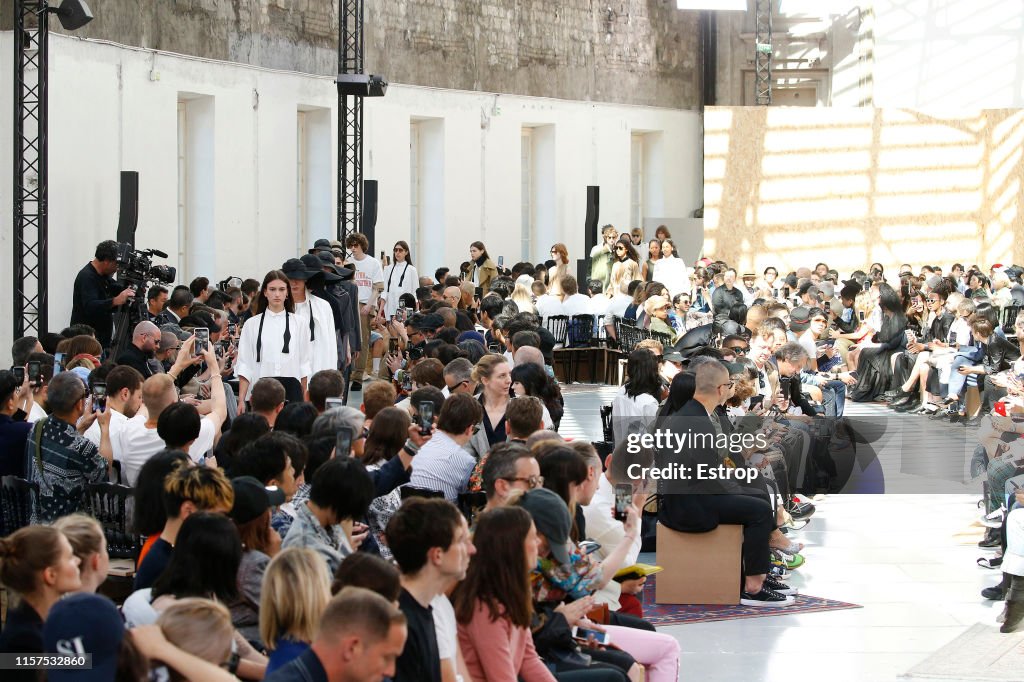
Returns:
(114, 108)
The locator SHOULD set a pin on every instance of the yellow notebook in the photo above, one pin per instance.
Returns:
(637, 571)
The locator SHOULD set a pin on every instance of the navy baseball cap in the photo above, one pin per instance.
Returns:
(85, 623)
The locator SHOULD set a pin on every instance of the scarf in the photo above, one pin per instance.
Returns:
(287, 334)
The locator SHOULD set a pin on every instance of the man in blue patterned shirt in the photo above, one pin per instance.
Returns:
(59, 458)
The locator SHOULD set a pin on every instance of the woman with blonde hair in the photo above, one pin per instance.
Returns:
(90, 546)
(495, 375)
(201, 627)
(296, 589)
(559, 254)
(522, 295)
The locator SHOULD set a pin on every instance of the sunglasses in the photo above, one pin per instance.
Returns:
(740, 350)
(532, 482)
(399, 248)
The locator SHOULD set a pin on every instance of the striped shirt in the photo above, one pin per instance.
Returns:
(442, 465)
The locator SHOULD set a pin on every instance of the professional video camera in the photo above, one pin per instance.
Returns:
(136, 266)
(136, 270)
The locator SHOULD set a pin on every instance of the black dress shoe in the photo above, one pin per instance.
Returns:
(991, 539)
(902, 400)
(994, 593)
(942, 414)
(912, 404)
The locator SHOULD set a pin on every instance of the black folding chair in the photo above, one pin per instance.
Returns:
(18, 499)
(111, 505)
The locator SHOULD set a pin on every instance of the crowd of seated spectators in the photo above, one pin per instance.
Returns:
(444, 529)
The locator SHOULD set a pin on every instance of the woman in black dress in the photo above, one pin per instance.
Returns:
(874, 366)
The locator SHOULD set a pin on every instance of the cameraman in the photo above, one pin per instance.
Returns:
(97, 295)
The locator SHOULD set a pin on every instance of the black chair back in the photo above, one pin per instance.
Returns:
(630, 336)
(664, 339)
(582, 331)
(1010, 313)
(18, 499)
(110, 504)
(558, 325)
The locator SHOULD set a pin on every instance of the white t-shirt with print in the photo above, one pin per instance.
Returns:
(367, 273)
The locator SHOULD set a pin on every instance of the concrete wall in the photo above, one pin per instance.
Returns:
(790, 187)
(113, 109)
(629, 51)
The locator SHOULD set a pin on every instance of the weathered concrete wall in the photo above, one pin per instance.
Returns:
(626, 51)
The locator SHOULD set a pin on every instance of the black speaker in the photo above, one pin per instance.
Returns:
(591, 235)
(128, 218)
(369, 216)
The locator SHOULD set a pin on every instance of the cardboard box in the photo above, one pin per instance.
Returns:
(700, 568)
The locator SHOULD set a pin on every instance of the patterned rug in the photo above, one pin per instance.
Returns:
(681, 614)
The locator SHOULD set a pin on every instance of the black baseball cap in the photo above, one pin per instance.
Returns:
(252, 498)
(551, 516)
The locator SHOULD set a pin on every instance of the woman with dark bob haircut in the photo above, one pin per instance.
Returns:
(531, 379)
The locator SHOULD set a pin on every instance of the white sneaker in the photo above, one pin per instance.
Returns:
(993, 520)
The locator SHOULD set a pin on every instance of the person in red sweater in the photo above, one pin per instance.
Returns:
(494, 605)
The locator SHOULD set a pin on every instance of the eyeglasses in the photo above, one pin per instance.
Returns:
(934, 300)
(399, 248)
(728, 385)
(530, 481)
(741, 350)
(620, 247)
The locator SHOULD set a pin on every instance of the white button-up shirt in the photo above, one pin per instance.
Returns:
(325, 345)
(296, 362)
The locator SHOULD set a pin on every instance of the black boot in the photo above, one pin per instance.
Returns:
(1014, 605)
(998, 592)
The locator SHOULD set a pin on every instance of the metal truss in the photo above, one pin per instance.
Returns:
(763, 51)
(30, 167)
(350, 120)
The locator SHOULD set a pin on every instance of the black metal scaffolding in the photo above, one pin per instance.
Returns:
(763, 51)
(30, 167)
(350, 120)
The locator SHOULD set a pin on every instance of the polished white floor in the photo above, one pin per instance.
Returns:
(909, 560)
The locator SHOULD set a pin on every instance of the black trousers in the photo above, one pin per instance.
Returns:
(758, 520)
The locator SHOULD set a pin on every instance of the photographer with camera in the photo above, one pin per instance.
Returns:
(97, 295)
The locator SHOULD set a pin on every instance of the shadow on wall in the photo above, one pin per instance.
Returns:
(792, 186)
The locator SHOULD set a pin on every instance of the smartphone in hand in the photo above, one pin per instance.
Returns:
(343, 442)
(426, 417)
(623, 498)
(202, 341)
